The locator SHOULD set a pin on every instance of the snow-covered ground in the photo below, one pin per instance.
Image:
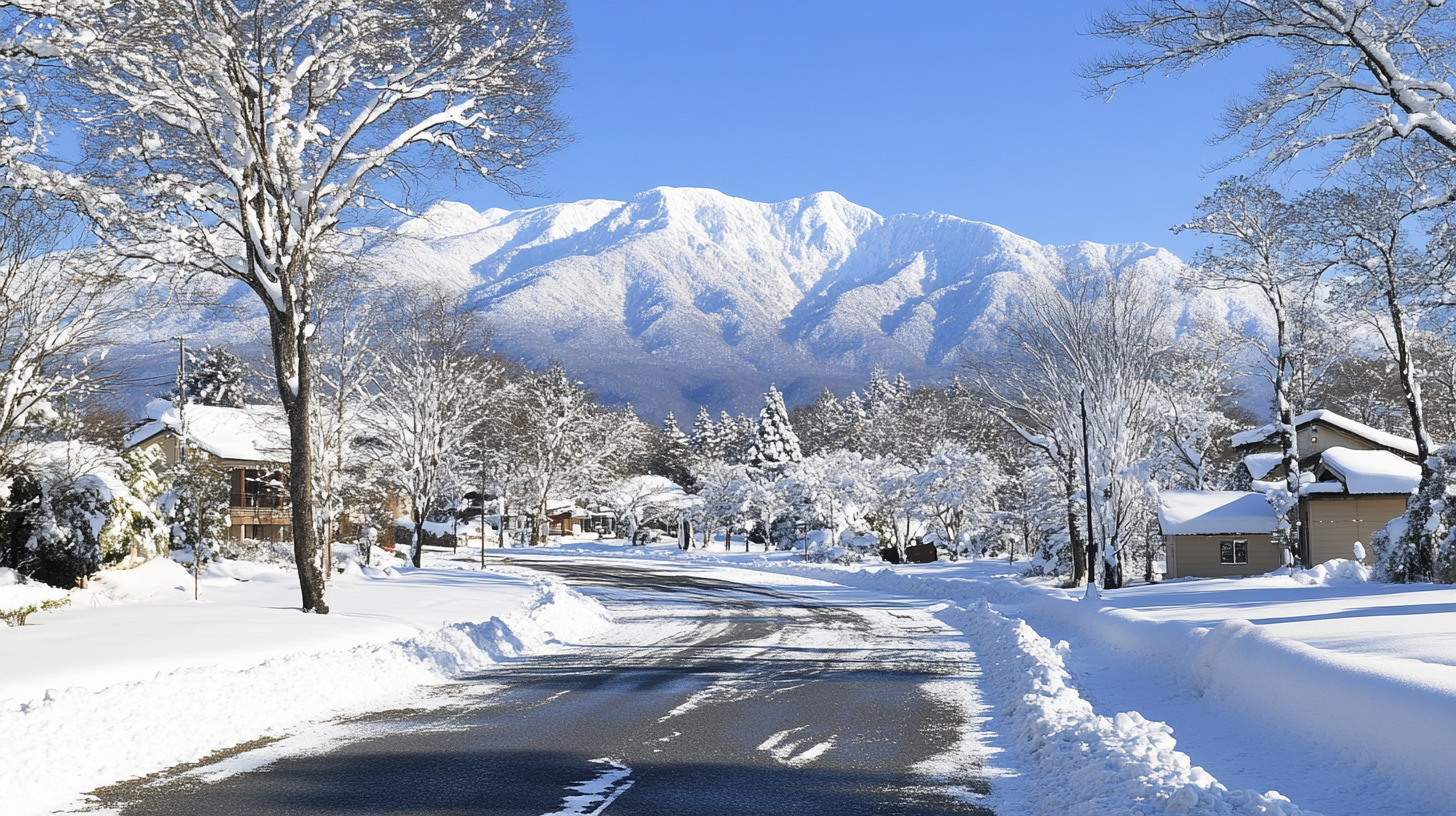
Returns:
(1336, 692)
(134, 676)
(1192, 696)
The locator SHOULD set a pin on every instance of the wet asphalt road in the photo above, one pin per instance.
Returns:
(710, 697)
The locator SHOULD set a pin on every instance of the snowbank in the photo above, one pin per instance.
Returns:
(1122, 764)
(16, 592)
(1389, 714)
(180, 703)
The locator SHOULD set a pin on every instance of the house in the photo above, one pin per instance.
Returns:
(1217, 533)
(1355, 480)
(249, 444)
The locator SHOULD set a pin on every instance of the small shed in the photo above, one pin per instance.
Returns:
(1218, 533)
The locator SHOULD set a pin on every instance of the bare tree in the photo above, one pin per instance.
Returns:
(343, 367)
(1082, 335)
(237, 137)
(1263, 245)
(1373, 232)
(433, 366)
(1359, 76)
(56, 307)
(560, 443)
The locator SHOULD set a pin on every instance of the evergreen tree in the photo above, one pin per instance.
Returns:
(65, 541)
(775, 443)
(197, 505)
(676, 439)
(672, 455)
(852, 420)
(1429, 520)
(745, 434)
(707, 438)
(18, 506)
(820, 424)
(880, 396)
(137, 529)
(902, 387)
(215, 377)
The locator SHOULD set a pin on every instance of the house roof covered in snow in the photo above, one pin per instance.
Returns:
(1373, 435)
(1259, 464)
(254, 433)
(1214, 512)
(1365, 472)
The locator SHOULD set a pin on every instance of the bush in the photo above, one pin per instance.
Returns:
(18, 615)
(52, 529)
(1417, 546)
(256, 550)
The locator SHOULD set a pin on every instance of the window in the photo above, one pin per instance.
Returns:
(1234, 551)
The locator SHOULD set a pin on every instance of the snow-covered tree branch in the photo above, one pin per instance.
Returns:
(237, 137)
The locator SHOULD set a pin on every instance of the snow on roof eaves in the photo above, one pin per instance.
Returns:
(1372, 472)
(255, 433)
(1215, 512)
(1360, 429)
(1259, 464)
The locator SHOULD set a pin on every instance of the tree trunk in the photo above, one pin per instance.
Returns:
(417, 542)
(1424, 566)
(1074, 535)
(290, 362)
(1288, 434)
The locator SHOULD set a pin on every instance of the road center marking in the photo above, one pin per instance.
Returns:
(595, 794)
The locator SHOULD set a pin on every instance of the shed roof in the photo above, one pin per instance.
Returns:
(1366, 472)
(1350, 426)
(1213, 512)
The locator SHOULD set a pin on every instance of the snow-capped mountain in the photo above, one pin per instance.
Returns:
(687, 296)
(681, 297)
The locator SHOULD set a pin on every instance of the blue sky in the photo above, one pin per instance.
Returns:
(971, 108)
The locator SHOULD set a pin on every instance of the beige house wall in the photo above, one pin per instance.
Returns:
(1313, 444)
(1335, 523)
(1197, 556)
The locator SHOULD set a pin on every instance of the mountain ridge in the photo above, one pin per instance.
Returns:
(684, 296)
(679, 296)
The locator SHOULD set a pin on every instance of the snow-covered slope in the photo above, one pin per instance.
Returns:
(687, 296)
(681, 297)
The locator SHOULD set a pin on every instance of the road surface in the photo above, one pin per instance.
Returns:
(709, 697)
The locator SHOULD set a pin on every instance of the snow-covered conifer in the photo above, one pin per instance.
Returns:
(676, 440)
(137, 530)
(821, 424)
(196, 505)
(215, 376)
(881, 393)
(65, 542)
(775, 443)
(705, 435)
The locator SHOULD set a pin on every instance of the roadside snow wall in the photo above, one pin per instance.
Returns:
(1399, 727)
(76, 740)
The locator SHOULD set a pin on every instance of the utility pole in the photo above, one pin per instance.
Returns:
(482, 507)
(181, 402)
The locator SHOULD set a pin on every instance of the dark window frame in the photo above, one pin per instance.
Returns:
(1233, 551)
